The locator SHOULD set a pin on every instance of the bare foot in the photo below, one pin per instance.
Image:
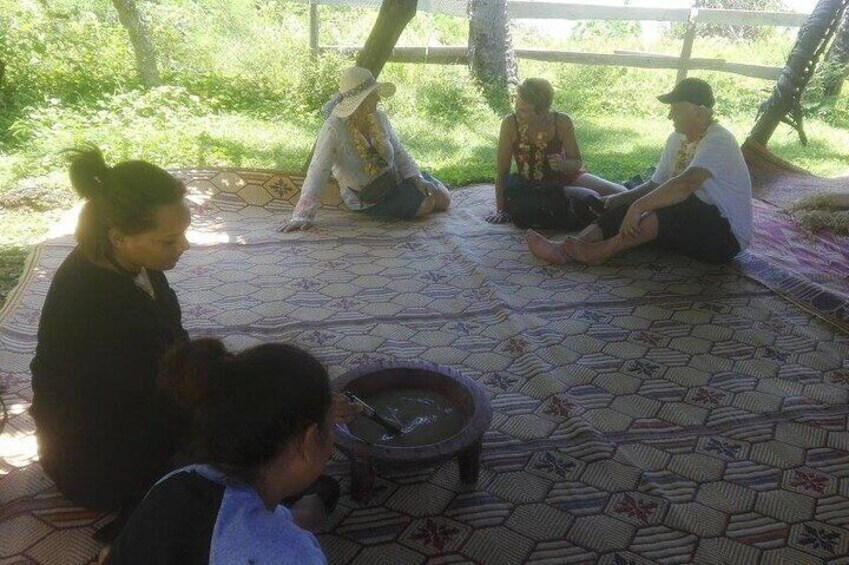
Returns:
(546, 250)
(583, 252)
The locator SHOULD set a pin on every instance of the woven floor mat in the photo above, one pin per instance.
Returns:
(653, 410)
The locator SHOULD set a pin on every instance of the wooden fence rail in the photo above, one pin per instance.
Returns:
(692, 18)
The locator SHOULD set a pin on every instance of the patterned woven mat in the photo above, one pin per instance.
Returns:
(654, 410)
(810, 269)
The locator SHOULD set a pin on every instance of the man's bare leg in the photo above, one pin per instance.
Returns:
(594, 253)
(547, 250)
(555, 252)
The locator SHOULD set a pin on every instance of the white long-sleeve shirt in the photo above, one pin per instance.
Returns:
(335, 154)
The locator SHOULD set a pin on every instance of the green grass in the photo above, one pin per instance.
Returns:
(242, 91)
(21, 230)
(11, 261)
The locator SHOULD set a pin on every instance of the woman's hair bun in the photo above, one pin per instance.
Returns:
(89, 172)
(190, 370)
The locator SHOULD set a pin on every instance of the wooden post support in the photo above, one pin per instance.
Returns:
(687, 49)
(314, 28)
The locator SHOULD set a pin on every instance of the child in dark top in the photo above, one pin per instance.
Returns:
(262, 424)
(105, 432)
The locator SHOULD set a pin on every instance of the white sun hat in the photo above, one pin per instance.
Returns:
(354, 87)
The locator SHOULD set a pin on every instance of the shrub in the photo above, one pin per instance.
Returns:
(73, 55)
(319, 81)
(833, 110)
(446, 96)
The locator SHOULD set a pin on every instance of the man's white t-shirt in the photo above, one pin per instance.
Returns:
(729, 188)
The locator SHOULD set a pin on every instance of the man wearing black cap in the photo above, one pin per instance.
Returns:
(698, 202)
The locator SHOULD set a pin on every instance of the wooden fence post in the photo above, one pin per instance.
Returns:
(687, 49)
(313, 28)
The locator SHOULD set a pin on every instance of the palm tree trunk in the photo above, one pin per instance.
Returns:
(783, 104)
(393, 17)
(130, 18)
(491, 56)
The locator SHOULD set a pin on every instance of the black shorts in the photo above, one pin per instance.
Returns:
(692, 227)
(403, 202)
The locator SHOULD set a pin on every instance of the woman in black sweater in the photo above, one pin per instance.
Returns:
(105, 431)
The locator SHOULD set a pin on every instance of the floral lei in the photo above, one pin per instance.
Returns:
(686, 152)
(524, 154)
(370, 154)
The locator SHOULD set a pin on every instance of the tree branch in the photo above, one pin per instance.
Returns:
(393, 18)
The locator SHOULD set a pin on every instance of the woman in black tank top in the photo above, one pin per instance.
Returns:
(542, 144)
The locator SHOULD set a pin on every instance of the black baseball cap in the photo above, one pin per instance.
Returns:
(692, 90)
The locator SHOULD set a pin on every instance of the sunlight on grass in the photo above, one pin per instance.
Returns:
(825, 154)
(240, 141)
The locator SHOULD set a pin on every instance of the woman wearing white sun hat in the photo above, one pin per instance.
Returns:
(358, 147)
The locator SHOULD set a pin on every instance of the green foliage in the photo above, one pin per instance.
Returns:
(736, 95)
(244, 91)
(445, 30)
(319, 80)
(72, 55)
(612, 89)
(735, 32)
(833, 110)
(11, 260)
(113, 122)
(239, 56)
(444, 95)
(598, 30)
(443, 119)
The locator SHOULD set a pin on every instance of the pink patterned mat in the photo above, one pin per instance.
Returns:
(654, 410)
(809, 269)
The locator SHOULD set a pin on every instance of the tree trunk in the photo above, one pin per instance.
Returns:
(143, 48)
(491, 56)
(836, 63)
(783, 104)
(393, 17)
